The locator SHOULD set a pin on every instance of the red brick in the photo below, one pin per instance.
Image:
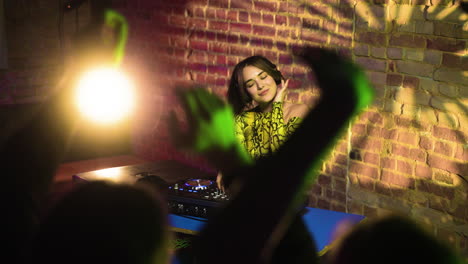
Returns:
(443, 148)
(362, 169)
(243, 16)
(221, 70)
(310, 23)
(199, 12)
(366, 183)
(406, 122)
(264, 30)
(210, 80)
(445, 44)
(217, 3)
(423, 171)
(359, 129)
(436, 189)
(339, 184)
(233, 39)
(400, 150)
(324, 180)
(388, 163)
(461, 153)
(198, 45)
(328, 25)
(383, 188)
(338, 197)
(394, 79)
(280, 20)
(218, 47)
(338, 207)
(363, 142)
(318, 10)
(372, 117)
(451, 60)
(241, 28)
(397, 179)
(371, 158)
(374, 131)
(426, 143)
(313, 36)
(244, 5)
(390, 134)
(323, 204)
(221, 14)
(372, 64)
(449, 134)
(418, 154)
(411, 82)
(233, 15)
(361, 49)
(340, 41)
(295, 84)
(210, 13)
(291, 7)
(407, 137)
(267, 19)
(444, 178)
(447, 165)
(240, 51)
(215, 25)
(395, 53)
(210, 35)
(267, 43)
(285, 59)
(293, 21)
(407, 41)
(345, 27)
(255, 18)
(265, 6)
(404, 167)
(198, 56)
(342, 12)
(256, 42)
(281, 45)
(177, 20)
(438, 204)
(198, 67)
(316, 189)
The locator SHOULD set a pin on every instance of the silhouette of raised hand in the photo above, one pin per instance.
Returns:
(210, 129)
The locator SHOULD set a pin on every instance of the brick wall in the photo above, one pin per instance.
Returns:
(407, 153)
(35, 53)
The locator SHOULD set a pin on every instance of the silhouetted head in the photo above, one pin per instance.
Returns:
(392, 239)
(102, 222)
(237, 94)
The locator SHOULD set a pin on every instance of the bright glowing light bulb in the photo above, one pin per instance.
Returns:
(105, 95)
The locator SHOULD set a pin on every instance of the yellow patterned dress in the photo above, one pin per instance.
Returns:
(263, 133)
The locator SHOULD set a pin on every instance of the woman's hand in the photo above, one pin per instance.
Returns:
(219, 181)
(210, 122)
(211, 130)
(281, 91)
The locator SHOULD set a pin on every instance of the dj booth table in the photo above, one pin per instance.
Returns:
(320, 223)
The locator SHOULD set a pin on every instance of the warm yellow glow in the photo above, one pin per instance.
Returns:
(105, 95)
(108, 174)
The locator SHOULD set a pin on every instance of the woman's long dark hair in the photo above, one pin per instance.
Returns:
(237, 96)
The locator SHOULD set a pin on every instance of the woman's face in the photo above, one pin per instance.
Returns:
(259, 85)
